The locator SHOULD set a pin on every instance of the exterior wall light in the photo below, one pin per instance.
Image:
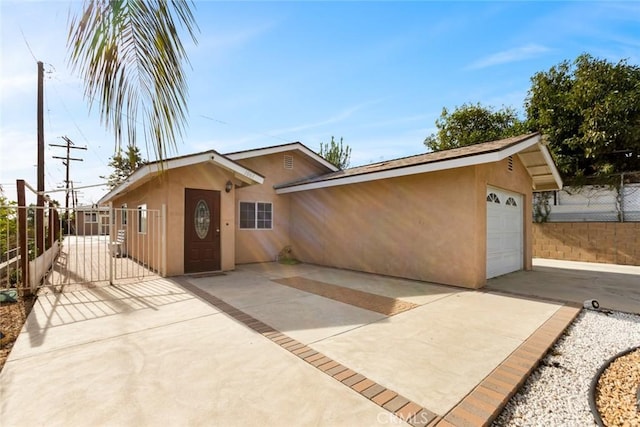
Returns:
(228, 186)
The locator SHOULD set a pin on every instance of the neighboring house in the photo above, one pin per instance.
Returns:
(91, 221)
(455, 217)
(595, 203)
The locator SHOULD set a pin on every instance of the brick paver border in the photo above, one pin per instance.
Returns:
(485, 402)
(479, 408)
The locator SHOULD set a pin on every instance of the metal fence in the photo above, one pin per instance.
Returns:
(124, 244)
(596, 203)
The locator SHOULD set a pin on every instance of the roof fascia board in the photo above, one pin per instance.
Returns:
(554, 171)
(261, 152)
(242, 173)
(146, 170)
(520, 146)
(149, 169)
(394, 173)
(282, 148)
(478, 159)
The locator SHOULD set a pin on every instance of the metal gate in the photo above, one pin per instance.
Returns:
(93, 245)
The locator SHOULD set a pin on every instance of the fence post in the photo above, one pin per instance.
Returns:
(22, 239)
(109, 249)
(163, 239)
(51, 234)
(621, 196)
(56, 225)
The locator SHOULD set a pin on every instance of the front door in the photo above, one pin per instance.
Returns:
(201, 230)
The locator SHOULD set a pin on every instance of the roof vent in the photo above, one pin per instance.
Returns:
(510, 163)
(288, 161)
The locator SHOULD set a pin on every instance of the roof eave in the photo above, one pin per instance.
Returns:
(476, 159)
(280, 149)
(147, 172)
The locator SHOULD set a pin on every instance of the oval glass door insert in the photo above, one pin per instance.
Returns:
(202, 219)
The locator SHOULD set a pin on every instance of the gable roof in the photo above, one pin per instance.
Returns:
(151, 170)
(257, 152)
(529, 148)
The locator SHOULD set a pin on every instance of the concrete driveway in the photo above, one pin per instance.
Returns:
(616, 287)
(271, 344)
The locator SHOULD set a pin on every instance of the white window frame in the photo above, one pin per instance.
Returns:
(255, 219)
(93, 217)
(123, 217)
(142, 219)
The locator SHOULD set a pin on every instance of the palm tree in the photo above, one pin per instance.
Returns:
(130, 57)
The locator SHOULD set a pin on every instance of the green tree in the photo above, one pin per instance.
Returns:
(124, 165)
(590, 112)
(130, 57)
(8, 226)
(336, 153)
(472, 124)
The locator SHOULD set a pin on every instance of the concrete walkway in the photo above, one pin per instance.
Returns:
(616, 287)
(243, 349)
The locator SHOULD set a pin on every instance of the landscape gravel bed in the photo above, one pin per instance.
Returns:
(617, 388)
(557, 392)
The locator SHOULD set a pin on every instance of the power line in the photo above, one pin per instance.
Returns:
(86, 140)
(67, 161)
(27, 43)
(248, 130)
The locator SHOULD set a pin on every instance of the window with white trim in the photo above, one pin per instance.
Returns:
(90, 217)
(511, 202)
(123, 218)
(256, 215)
(142, 219)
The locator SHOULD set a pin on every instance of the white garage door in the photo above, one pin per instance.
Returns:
(504, 232)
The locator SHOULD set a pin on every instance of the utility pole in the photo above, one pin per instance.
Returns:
(67, 161)
(40, 186)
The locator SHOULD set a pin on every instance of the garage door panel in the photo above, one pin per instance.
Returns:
(504, 232)
(493, 246)
(511, 245)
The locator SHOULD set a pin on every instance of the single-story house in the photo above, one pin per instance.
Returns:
(90, 220)
(455, 217)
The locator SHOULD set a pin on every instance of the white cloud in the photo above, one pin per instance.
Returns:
(521, 53)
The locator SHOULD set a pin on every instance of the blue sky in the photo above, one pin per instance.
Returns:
(375, 73)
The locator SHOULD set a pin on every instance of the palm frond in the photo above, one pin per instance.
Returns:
(130, 56)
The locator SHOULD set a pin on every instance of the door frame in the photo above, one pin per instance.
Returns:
(504, 194)
(214, 198)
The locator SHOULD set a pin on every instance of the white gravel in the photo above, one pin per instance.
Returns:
(557, 392)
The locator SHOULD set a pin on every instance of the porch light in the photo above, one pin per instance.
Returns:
(228, 186)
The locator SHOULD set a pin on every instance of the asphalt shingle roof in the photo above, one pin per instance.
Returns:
(419, 159)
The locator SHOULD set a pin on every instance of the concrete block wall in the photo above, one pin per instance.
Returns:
(606, 242)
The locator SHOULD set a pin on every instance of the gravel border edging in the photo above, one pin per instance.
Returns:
(596, 380)
(557, 392)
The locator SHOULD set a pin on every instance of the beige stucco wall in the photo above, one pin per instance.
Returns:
(264, 245)
(168, 188)
(428, 227)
